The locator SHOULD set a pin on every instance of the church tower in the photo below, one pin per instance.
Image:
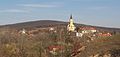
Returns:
(71, 26)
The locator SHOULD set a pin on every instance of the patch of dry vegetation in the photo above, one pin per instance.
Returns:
(22, 45)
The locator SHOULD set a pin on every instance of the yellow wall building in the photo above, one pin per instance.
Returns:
(71, 27)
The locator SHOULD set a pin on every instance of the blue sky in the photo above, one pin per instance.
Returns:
(93, 12)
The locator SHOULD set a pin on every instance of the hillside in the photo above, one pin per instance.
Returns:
(103, 46)
(41, 41)
(51, 23)
(31, 24)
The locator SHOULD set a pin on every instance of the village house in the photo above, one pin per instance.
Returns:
(23, 31)
(88, 30)
(78, 34)
(54, 49)
(104, 34)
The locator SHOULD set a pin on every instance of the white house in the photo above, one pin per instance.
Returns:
(79, 34)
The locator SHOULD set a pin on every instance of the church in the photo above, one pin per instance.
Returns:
(71, 27)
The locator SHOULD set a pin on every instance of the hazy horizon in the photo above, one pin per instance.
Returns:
(105, 13)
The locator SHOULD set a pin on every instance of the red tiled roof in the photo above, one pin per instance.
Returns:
(105, 34)
(87, 28)
(57, 47)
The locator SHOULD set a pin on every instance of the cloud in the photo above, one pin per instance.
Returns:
(38, 5)
(13, 11)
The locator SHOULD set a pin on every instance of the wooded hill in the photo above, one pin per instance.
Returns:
(50, 23)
